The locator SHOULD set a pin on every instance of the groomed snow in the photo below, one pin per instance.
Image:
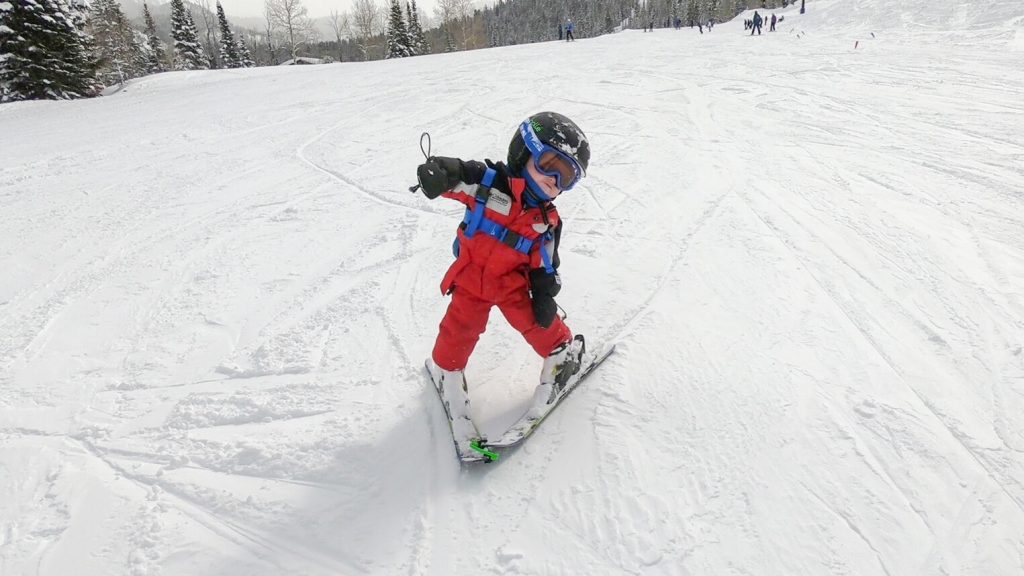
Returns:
(217, 294)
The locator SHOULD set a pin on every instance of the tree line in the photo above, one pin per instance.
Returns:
(62, 49)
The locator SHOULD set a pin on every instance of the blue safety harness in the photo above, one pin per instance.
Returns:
(474, 221)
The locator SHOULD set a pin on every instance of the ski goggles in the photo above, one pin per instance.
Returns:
(550, 161)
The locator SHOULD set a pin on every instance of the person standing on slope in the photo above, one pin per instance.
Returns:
(506, 251)
(756, 24)
(569, 26)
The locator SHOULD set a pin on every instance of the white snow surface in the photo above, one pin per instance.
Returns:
(217, 295)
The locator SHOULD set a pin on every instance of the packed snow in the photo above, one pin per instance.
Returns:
(218, 293)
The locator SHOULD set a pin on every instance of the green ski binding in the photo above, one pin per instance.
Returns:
(483, 451)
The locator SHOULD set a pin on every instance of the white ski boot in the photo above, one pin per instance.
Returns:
(451, 386)
(558, 368)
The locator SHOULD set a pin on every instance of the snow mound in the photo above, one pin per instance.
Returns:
(203, 410)
(998, 22)
(916, 14)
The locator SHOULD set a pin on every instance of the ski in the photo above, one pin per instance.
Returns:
(465, 436)
(536, 414)
(471, 447)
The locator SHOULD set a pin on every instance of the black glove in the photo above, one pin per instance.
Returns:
(543, 283)
(544, 309)
(438, 175)
(543, 289)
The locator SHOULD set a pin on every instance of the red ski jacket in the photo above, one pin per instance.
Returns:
(493, 268)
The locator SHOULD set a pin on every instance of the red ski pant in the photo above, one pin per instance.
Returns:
(466, 320)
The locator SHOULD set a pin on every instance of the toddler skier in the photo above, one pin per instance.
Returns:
(506, 252)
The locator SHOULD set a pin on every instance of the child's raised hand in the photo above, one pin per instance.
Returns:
(438, 175)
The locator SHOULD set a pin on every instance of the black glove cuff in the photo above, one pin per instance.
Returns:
(542, 283)
(544, 310)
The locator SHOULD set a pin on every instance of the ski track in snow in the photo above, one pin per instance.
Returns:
(219, 293)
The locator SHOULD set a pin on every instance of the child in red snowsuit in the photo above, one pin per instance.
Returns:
(507, 250)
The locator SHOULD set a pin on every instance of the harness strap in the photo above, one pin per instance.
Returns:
(507, 237)
(512, 239)
(474, 221)
(544, 256)
(483, 192)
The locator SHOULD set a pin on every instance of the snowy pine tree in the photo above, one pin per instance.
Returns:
(417, 38)
(244, 56)
(79, 13)
(229, 57)
(157, 56)
(43, 52)
(408, 28)
(119, 51)
(399, 45)
(711, 9)
(188, 52)
(692, 12)
(449, 40)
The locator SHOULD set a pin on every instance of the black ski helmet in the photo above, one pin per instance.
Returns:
(556, 131)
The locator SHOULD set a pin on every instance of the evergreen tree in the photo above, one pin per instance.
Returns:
(408, 26)
(119, 51)
(711, 9)
(157, 56)
(188, 52)
(449, 40)
(79, 13)
(399, 45)
(416, 35)
(229, 56)
(43, 52)
(244, 56)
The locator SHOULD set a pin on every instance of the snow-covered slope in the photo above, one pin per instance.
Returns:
(217, 294)
(920, 15)
(944, 25)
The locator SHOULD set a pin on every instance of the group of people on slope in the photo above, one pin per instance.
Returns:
(754, 24)
(678, 24)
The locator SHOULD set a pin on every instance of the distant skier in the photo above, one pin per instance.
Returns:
(568, 31)
(559, 30)
(774, 20)
(506, 251)
(755, 25)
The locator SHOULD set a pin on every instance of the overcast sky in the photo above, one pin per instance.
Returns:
(317, 8)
